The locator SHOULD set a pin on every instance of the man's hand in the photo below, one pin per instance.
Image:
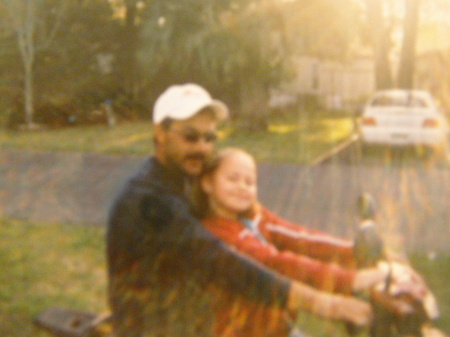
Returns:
(406, 282)
(326, 305)
(366, 279)
(348, 309)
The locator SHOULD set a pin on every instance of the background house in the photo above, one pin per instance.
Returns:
(335, 85)
(338, 85)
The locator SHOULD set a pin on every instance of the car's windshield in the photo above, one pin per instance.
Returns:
(407, 100)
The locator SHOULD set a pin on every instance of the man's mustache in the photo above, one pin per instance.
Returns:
(196, 156)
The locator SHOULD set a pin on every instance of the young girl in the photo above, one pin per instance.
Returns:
(227, 204)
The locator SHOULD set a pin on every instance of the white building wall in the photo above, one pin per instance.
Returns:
(337, 85)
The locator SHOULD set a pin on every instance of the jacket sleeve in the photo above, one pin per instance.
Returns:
(322, 275)
(153, 232)
(305, 241)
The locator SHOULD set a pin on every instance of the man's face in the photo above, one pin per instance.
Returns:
(186, 144)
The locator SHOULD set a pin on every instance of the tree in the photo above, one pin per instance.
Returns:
(232, 47)
(408, 52)
(380, 33)
(82, 63)
(10, 66)
(383, 22)
(260, 57)
(238, 48)
(67, 74)
(128, 42)
(24, 17)
(326, 29)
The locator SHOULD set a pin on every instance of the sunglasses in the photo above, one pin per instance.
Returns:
(193, 136)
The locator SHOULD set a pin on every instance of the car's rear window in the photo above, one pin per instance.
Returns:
(399, 100)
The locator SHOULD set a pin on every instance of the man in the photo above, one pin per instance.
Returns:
(160, 258)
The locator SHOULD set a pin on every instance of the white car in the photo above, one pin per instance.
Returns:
(403, 118)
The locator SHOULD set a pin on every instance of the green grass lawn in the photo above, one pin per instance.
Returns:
(291, 139)
(436, 271)
(46, 265)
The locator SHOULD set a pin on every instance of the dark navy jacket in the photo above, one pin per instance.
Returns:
(162, 261)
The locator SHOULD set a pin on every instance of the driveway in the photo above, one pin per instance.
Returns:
(413, 200)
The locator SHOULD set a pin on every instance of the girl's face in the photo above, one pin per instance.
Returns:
(231, 188)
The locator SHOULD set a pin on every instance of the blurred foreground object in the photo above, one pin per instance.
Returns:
(403, 304)
(63, 322)
(368, 247)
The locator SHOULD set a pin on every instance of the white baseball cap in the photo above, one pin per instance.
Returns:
(184, 101)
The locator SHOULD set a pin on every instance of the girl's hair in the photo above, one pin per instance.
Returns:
(200, 199)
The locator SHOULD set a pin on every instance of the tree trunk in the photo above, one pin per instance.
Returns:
(127, 57)
(25, 36)
(29, 94)
(27, 49)
(407, 60)
(381, 44)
